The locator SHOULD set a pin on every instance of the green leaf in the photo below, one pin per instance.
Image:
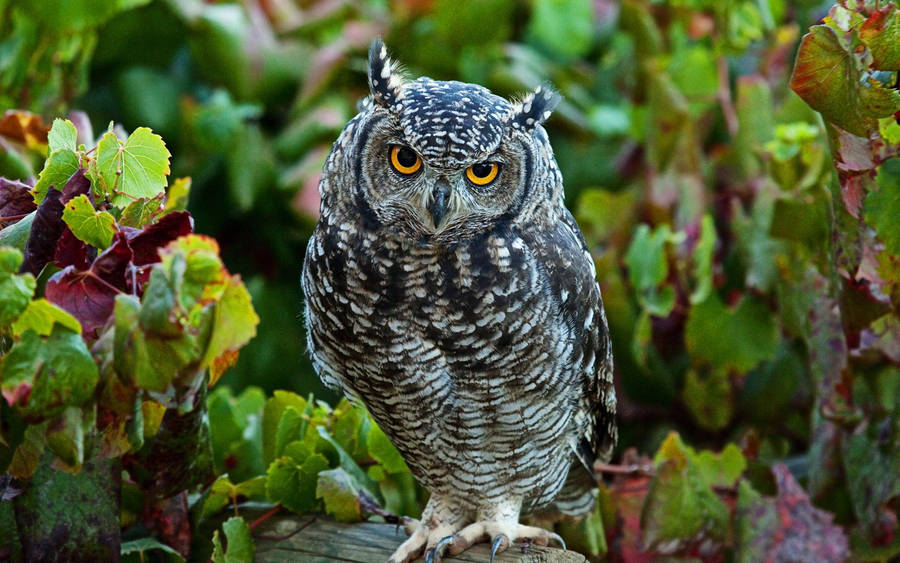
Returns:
(239, 547)
(681, 509)
(288, 429)
(178, 195)
(709, 399)
(703, 257)
(563, 26)
(57, 171)
(16, 235)
(65, 437)
(882, 208)
(41, 316)
(43, 376)
(142, 545)
(648, 267)
(15, 290)
(234, 325)
(829, 79)
(384, 452)
(62, 136)
(340, 492)
(93, 227)
(141, 212)
(134, 169)
(347, 462)
(726, 338)
(294, 486)
(881, 34)
(272, 414)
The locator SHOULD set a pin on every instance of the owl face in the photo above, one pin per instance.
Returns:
(442, 158)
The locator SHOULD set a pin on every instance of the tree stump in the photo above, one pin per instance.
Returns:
(317, 539)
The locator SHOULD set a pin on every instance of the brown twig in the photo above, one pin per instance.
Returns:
(13, 218)
(269, 513)
(632, 469)
(724, 95)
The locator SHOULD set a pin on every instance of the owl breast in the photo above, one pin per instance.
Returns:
(460, 352)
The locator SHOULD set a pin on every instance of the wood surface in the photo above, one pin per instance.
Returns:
(317, 539)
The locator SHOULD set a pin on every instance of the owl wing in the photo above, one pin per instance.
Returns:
(572, 279)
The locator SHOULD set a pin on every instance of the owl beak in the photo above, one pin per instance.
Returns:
(440, 195)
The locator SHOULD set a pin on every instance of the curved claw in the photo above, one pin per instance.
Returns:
(495, 547)
(442, 545)
(429, 555)
(558, 538)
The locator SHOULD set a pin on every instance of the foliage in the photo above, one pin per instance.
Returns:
(740, 208)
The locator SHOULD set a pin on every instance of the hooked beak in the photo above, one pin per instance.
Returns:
(441, 194)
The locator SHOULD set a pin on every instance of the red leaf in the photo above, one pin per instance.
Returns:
(789, 527)
(15, 199)
(45, 232)
(18, 394)
(90, 295)
(71, 252)
(77, 185)
(147, 242)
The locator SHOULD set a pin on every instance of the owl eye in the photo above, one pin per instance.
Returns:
(405, 160)
(483, 173)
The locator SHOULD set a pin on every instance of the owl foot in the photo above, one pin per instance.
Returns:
(501, 535)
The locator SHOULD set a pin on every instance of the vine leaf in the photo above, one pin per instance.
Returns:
(93, 227)
(829, 79)
(134, 169)
(788, 527)
(62, 136)
(881, 34)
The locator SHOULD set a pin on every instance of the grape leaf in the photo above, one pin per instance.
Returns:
(384, 452)
(881, 34)
(235, 324)
(141, 212)
(57, 170)
(62, 136)
(45, 232)
(93, 227)
(681, 510)
(727, 338)
(648, 268)
(272, 414)
(15, 199)
(41, 316)
(829, 79)
(15, 290)
(293, 485)
(882, 207)
(42, 376)
(340, 493)
(786, 528)
(142, 545)
(134, 169)
(239, 546)
(90, 295)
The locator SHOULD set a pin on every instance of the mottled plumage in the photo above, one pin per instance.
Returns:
(466, 318)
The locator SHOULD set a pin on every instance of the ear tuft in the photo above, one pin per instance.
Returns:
(384, 79)
(535, 108)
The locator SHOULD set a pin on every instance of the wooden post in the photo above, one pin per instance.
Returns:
(316, 539)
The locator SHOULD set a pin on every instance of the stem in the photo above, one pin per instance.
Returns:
(269, 513)
(13, 218)
(724, 95)
(624, 469)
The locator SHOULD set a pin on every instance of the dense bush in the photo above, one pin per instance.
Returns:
(742, 209)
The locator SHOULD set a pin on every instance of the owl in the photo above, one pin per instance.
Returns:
(450, 291)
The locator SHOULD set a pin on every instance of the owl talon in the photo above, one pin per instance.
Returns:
(558, 538)
(501, 542)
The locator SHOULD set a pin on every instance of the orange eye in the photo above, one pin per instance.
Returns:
(405, 160)
(483, 173)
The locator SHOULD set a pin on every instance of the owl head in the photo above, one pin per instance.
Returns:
(442, 159)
